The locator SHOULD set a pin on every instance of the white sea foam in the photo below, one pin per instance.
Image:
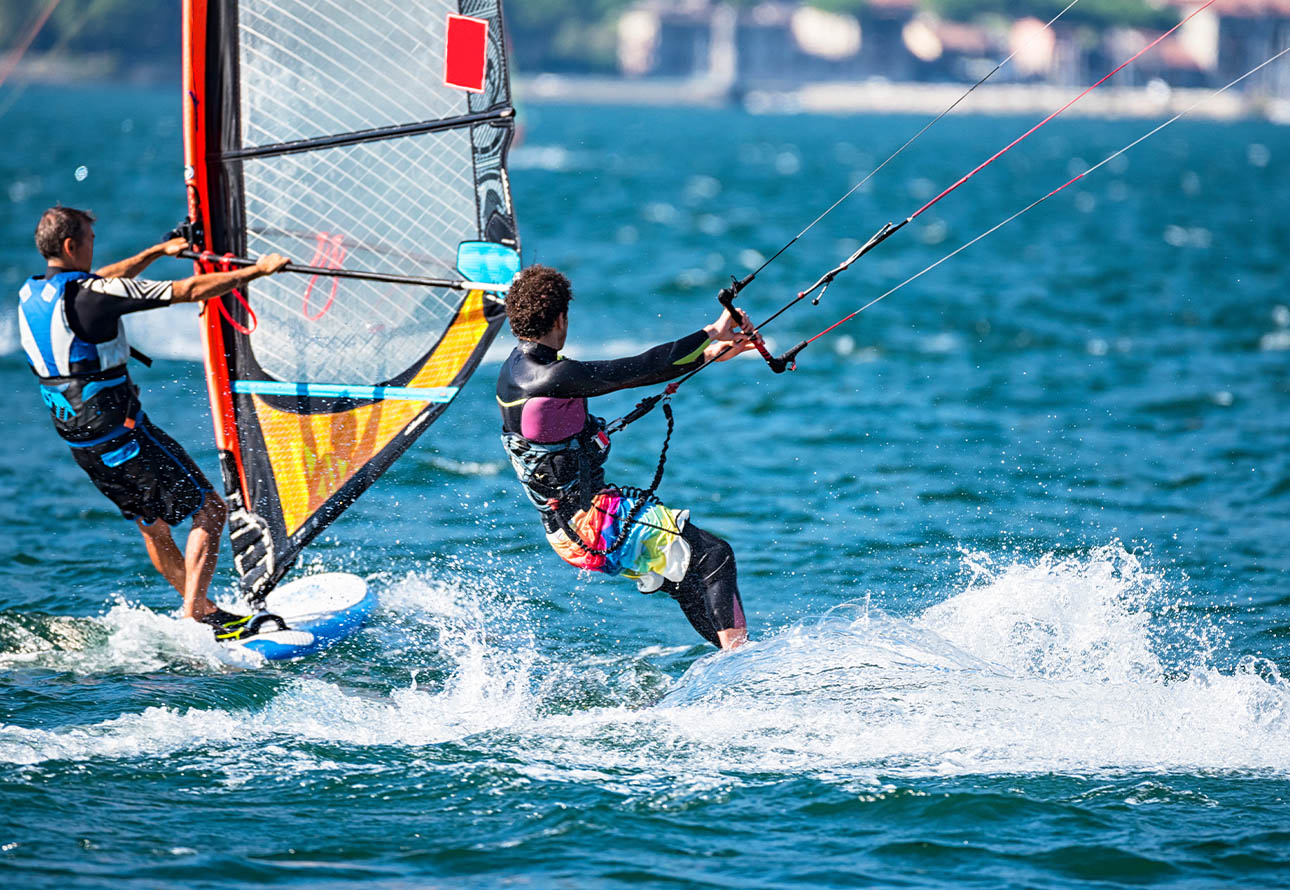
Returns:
(1050, 666)
(129, 639)
(554, 158)
(1075, 665)
(467, 467)
(488, 688)
(9, 340)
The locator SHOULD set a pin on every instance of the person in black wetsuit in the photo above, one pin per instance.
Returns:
(70, 322)
(558, 450)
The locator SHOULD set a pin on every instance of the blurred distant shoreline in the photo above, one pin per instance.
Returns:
(874, 96)
(1156, 99)
(785, 56)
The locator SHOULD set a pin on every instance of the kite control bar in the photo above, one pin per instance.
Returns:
(727, 299)
(787, 361)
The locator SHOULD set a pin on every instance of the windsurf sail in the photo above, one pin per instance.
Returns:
(365, 136)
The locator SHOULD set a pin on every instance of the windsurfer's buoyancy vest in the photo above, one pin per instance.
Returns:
(85, 385)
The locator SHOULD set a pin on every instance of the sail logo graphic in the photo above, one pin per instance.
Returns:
(325, 473)
(466, 53)
(329, 253)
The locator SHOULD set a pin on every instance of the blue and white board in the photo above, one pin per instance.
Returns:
(320, 611)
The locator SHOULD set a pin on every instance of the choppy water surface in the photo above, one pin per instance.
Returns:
(1012, 544)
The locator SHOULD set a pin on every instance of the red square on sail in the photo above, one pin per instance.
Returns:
(466, 53)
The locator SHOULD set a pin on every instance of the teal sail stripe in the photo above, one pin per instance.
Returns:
(345, 390)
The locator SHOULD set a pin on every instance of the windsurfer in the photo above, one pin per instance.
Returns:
(72, 333)
(559, 449)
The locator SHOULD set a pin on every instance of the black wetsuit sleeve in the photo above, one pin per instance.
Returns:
(96, 308)
(569, 379)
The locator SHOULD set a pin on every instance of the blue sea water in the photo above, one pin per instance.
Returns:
(1012, 543)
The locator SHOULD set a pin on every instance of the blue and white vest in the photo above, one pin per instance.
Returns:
(84, 385)
(51, 346)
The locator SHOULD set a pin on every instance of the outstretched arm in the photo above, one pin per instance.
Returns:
(129, 268)
(100, 302)
(715, 342)
(216, 284)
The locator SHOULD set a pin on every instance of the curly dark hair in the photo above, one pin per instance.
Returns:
(59, 223)
(536, 300)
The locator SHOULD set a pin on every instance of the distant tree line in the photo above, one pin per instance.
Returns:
(137, 32)
(546, 35)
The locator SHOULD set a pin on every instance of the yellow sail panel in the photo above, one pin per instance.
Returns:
(313, 455)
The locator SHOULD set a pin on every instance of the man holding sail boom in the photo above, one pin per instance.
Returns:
(558, 450)
(70, 320)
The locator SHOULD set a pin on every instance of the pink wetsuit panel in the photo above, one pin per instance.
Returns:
(552, 420)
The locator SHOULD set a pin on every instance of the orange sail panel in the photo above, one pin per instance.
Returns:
(314, 456)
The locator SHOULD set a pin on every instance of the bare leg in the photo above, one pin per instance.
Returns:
(201, 555)
(164, 554)
(733, 638)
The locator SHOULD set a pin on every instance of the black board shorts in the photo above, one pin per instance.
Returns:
(146, 474)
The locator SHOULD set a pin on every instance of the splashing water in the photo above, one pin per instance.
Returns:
(128, 639)
(1050, 666)
(1055, 665)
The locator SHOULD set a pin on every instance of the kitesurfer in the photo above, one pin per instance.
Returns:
(558, 450)
(71, 325)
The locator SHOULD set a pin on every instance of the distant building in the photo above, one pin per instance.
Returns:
(666, 39)
(772, 45)
(781, 45)
(1230, 38)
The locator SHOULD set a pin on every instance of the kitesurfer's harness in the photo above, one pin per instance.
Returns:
(562, 478)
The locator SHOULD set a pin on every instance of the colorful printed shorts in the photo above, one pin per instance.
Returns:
(653, 552)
